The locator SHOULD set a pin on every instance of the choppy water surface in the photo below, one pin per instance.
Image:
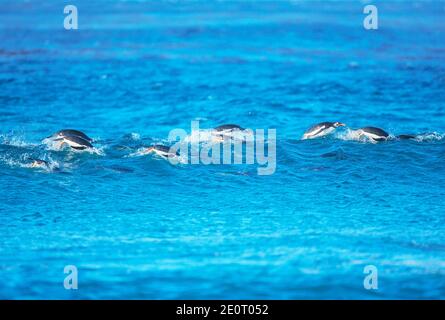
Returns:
(139, 227)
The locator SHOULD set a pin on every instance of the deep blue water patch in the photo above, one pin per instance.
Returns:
(138, 227)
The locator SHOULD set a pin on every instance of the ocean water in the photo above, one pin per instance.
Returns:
(140, 227)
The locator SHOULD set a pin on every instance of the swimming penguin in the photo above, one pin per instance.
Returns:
(406, 137)
(74, 142)
(321, 129)
(160, 150)
(71, 132)
(375, 134)
(74, 138)
(38, 163)
(227, 130)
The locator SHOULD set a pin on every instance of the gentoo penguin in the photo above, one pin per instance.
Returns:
(226, 130)
(73, 138)
(70, 132)
(321, 129)
(38, 163)
(74, 142)
(160, 150)
(375, 134)
(406, 137)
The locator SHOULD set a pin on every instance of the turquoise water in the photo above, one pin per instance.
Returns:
(139, 227)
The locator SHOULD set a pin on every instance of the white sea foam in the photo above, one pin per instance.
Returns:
(52, 145)
(198, 136)
(100, 151)
(16, 141)
(429, 137)
(26, 161)
(209, 135)
(138, 153)
(10, 161)
(352, 135)
(144, 151)
(134, 136)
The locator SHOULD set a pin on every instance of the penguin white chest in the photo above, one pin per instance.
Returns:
(318, 132)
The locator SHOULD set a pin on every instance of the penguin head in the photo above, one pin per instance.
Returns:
(37, 163)
(338, 124)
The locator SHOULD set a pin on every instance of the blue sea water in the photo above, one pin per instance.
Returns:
(140, 227)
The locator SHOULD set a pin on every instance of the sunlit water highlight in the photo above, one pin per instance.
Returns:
(139, 227)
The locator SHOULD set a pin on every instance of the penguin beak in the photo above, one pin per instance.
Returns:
(341, 124)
